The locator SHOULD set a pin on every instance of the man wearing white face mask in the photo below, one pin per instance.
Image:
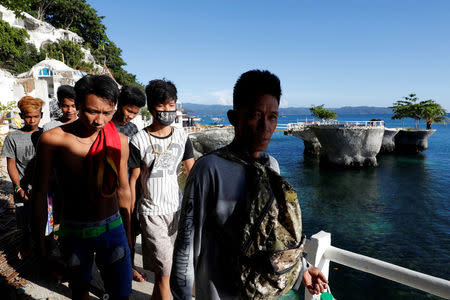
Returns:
(155, 155)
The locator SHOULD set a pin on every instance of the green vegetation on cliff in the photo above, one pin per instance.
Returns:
(16, 55)
(74, 15)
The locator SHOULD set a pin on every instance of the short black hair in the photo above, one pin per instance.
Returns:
(131, 95)
(253, 84)
(65, 91)
(159, 90)
(100, 85)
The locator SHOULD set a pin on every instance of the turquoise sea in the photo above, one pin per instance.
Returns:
(398, 212)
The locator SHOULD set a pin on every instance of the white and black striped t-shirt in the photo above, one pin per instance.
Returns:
(159, 171)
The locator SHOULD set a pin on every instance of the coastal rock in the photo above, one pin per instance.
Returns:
(412, 141)
(388, 143)
(350, 146)
(312, 144)
(209, 140)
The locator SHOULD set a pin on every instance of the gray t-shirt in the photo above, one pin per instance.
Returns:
(129, 129)
(207, 229)
(52, 124)
(22, 146)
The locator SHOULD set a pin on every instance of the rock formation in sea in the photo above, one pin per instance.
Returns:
(412, 141)
(351, 146)
(312, 144)
(209, 140)
(388, 143)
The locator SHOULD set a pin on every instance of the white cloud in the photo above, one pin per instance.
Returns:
(224, 97)
(190, 98)
(283, 104)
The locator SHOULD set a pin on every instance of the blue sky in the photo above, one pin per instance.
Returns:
(337, 53)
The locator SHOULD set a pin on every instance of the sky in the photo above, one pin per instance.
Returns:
(337, 53)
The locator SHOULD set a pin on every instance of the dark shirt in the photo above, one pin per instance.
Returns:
(128, 129)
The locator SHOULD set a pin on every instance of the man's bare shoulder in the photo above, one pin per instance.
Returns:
(56, 136)
(123, 139)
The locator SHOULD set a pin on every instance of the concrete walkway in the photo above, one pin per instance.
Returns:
(43, 289)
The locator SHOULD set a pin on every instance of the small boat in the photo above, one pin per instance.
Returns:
(216, 121)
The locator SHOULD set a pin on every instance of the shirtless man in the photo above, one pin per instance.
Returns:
(80, 152)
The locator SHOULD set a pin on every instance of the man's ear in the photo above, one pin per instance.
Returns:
(232, 116)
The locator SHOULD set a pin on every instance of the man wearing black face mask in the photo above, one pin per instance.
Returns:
(155, 154)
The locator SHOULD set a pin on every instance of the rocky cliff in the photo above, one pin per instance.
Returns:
(209, 140)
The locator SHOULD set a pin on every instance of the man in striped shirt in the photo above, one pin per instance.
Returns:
(155, 155)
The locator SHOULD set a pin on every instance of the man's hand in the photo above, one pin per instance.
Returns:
(314, 281)
(22, 194)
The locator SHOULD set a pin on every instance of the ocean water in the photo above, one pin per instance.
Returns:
(398, 212)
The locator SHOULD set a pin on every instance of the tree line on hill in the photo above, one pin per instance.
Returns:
(18, 56)
(216, 109)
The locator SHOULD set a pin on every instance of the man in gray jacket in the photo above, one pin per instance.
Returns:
(210, 225)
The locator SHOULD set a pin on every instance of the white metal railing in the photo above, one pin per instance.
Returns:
(302, 125)
(320, 253)
(362, 123)
(192, 129)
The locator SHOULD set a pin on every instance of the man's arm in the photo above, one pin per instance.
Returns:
(188, 241)
(133, 180)
(123, 190)
(134, 164)
(43, 166)
(15, 178)
(188, 164)
(188, 156)
(182, 274)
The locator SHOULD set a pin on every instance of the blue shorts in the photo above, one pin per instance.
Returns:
(112, 256)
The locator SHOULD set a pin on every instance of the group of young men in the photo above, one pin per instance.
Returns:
(115, 180)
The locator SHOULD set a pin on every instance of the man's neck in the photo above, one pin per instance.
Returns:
(159, 130)
(237, 147)
(28, 129)
(117, 119)
(66, 120)
(80, 130)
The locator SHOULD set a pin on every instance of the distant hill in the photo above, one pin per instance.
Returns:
(215, 109)
(206, 109)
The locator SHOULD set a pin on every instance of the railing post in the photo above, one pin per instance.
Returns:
(315, 249)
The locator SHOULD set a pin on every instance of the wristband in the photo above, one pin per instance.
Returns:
(17, 188)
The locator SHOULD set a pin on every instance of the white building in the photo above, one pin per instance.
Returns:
(42, 33)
